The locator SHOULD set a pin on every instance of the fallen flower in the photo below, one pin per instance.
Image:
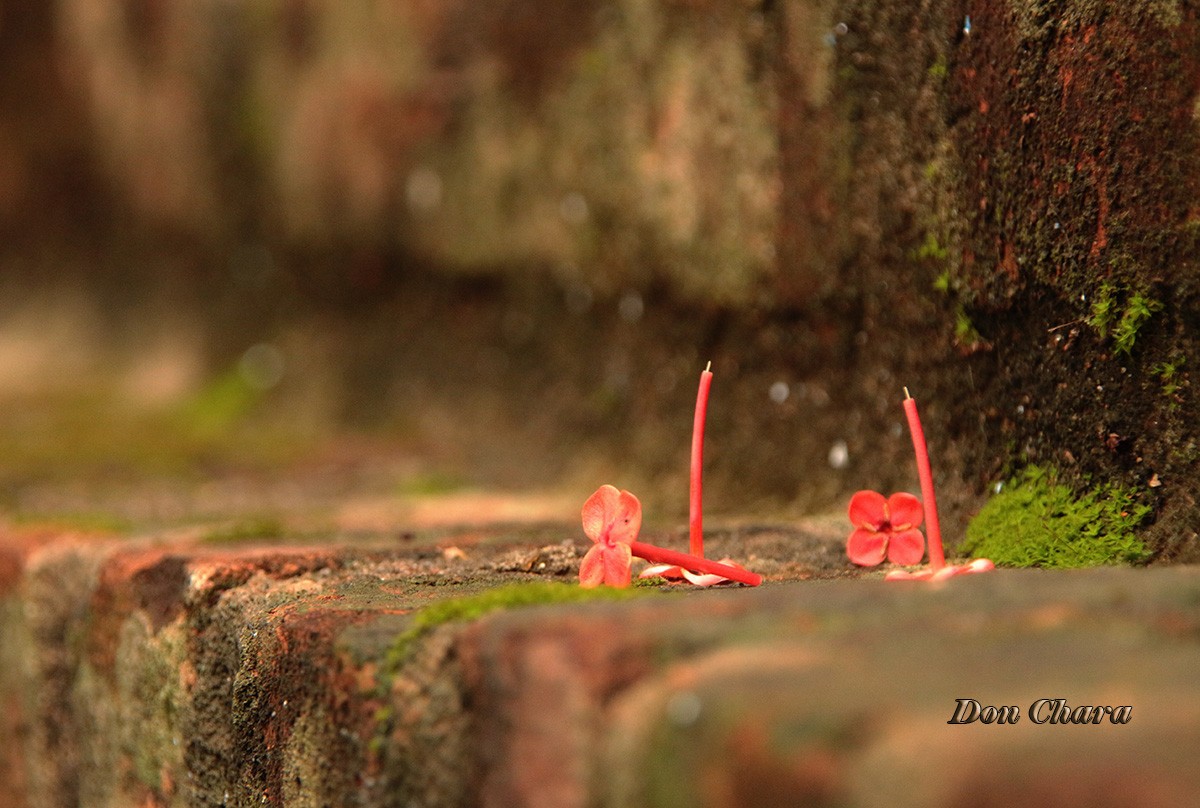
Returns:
(611, 519)
(885, 528)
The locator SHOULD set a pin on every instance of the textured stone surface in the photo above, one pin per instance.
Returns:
(151, 674)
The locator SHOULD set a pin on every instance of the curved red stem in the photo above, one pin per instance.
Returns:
(660, 555)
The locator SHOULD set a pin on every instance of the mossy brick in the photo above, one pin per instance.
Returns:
(770, 701)
(1066, 196)
(265, 679)
(114, 676)
(839, 723)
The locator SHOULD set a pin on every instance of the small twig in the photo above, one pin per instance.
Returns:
(1064, 325)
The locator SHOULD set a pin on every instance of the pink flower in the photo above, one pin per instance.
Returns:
(611, 519)
(885, 528)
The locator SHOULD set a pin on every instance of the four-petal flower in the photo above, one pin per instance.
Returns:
(885, 528)
(611, 519)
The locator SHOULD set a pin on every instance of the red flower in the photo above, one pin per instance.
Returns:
(885, 528)
(611, 519)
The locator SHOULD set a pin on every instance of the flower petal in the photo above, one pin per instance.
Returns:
(949, 571)
(906, 547)
(606, 564)
(867, 510)
(591, 569)
(978, 565)
(618, 559)
(923, 574)
(866, 548)
(905, 510)
(626, 519)
(673, 573)
(707, 579)
(668, 571)
(598, 510)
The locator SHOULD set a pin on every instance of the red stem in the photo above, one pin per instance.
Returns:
(660, 555)
(937, 557)
(695, 509)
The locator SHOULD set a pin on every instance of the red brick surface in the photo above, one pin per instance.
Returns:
(138, 675)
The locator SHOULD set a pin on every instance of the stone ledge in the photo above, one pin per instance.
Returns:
(136, 674)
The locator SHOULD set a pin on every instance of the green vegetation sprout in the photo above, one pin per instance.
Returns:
(1136, 313)
(1104, 311)
(1123, 325)
(931, 250)
(1169, 373)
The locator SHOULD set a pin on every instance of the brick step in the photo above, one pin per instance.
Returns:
(158, 675)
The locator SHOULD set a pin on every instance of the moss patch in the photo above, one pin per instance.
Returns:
(1138, 311)
(1125, 325)
(1038, 522)
(473, 607)
(1169, 372)
(254, 528)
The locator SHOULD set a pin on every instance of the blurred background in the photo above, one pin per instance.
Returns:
(259, 252)
(291, 257)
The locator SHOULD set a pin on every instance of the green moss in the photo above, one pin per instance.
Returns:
(964, 328)
(931, 249)
(1168, 373)
(249, 529)
(1104, 309)
(1137, 312)
(1038, 522)
(88, 522)
(473, 607)
(223, 402)
(939, 68)
(92, 430)
(1124, 324)
(431, 484)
